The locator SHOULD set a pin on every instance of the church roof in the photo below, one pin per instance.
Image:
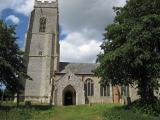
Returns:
(77, 68)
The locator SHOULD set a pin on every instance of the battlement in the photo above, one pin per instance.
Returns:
(46, 3)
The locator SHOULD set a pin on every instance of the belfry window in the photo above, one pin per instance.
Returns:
(104, 90)
(42, 24)
(89, 87)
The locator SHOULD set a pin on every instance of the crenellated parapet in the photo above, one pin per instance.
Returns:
(46, 3)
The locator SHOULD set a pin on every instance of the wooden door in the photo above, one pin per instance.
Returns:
(116, 94)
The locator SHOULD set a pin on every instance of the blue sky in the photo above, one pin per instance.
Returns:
(82, 24)
(21, 26)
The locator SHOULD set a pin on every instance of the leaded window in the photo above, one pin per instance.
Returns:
(89, 87)
(104, 90)
(125, 90)
(42, 24)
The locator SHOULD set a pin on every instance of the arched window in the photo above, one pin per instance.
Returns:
(104, 90)
(89, 87)
(125, 90)
(42, 24)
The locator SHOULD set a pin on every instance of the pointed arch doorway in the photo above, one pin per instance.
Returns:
(69, 96)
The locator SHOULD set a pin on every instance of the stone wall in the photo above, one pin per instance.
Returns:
(77, 81)
(42, 56)
(41, 50)
(72, 80)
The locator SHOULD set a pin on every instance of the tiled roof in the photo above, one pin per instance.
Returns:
(77, 68)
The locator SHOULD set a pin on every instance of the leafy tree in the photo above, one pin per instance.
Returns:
(131, 48)
(12, 68)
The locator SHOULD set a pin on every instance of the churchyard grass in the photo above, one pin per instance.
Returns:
(9, 111)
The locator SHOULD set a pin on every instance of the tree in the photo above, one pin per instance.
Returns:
(12, 68)
(131, 48)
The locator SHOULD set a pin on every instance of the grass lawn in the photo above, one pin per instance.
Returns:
(84, 112)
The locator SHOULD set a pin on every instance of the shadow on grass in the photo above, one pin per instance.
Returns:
(130, 112)
(40, 107)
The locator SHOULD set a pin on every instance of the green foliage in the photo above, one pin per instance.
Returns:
(16, 114)
(12, 69)
(45, 112)
(119, 113)
(37, 112)
(83, 112)
(131, 48)
(152, 109)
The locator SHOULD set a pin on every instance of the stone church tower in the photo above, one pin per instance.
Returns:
(42, 50)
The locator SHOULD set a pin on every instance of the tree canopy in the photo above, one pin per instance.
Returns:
(131, 48)
(12, 68)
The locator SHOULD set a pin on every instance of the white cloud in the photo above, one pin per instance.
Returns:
(20, 6)
(13, 18)
(76, 48)
(83, 21)
(24, 7)
(93, 14)
(46, 0)
(121, 2)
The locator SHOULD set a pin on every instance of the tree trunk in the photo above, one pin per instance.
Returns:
(146, 91)
(2, 97)
(17, 99)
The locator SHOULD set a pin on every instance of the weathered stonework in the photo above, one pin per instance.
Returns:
(42, 51)
(72, 80)
(51, 76)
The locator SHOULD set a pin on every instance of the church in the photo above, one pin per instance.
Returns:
(61, 83)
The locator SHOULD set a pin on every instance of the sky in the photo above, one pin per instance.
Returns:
(82, 23)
